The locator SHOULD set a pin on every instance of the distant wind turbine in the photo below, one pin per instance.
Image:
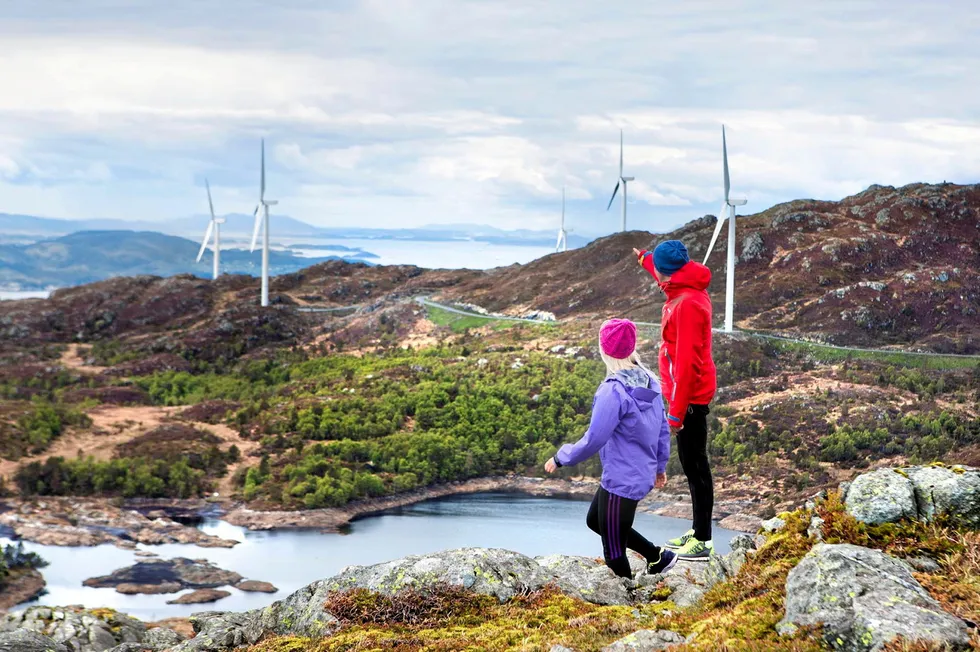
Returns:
(562, 244)
(262, 219)
(213, 226)
(727, 211)
(621, 181)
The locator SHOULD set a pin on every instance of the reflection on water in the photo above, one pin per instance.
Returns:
(292, 559)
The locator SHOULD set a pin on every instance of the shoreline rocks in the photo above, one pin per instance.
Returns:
(22, 586)
(59, 521)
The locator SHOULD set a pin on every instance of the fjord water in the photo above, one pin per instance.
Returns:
(293, 559)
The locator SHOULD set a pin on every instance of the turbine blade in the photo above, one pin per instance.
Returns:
(615, 190)
(207, 238)
(724, 155)
(714, 236)
(210, 203)
(558, 244)
(258, 223)
(563, 207)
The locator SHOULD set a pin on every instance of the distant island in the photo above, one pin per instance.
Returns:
(25, 229)
(89, 256)
(351, 252)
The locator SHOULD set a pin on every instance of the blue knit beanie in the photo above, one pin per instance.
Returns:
(670, 256)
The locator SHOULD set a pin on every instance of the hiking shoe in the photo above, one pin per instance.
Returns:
(695, 550)
(662, 565)
(679, 542)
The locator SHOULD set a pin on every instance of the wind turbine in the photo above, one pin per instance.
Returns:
(562, 244)
(262, 219)
(727, 211)
(215, 226)
(621, 181)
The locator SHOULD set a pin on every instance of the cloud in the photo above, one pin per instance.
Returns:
(408, 112)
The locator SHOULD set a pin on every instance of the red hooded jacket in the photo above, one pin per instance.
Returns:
(687, 370)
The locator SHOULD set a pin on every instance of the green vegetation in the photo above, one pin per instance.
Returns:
(34, 425)
(128, 477)
(391, 423)
(829, 353)
(459, 323)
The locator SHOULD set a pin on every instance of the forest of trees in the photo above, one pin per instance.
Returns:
(338, 428)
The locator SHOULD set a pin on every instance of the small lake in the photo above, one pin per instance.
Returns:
(293, 559)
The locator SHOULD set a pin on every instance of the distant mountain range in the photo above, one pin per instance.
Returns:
(88, 256)
(27, 228)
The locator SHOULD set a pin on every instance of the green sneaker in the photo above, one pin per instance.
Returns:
(695, 550)
(674, 544)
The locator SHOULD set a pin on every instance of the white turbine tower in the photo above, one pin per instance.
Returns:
(262, 219)
(727, 211)
(621, 181)
(215, 226)
(562, 244)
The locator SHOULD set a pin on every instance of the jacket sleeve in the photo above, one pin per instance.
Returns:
(687, 352)
(605, 417)
(663, 446)
(646, 259)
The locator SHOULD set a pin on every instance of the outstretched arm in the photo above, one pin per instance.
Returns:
(645, 259)
(605, 417)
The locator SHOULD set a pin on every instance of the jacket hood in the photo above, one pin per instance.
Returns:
(642, 386)
(693, 275)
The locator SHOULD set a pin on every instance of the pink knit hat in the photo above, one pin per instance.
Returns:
(617, 338)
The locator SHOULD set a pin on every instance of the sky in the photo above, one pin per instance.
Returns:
(394, 113)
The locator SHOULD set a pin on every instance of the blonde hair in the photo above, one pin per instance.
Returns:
(619, 364)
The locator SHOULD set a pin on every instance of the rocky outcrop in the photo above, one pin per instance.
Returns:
(23, 640)
(490, 571)
(863, 598)
(162, 575)
(882, 496)
(588, 578)
(161, 638)
(201, 596)
(925, 492)
(645, 640)
(79, 630)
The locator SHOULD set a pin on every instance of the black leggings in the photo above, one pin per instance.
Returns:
(692, 450)
(611, 517)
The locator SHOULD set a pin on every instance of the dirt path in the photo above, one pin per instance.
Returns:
(74, 358)
(226, 485)
(115, 425)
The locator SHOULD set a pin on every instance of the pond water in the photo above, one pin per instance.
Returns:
(293, 559)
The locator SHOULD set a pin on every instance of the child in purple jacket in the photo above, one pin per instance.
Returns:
(630, 432)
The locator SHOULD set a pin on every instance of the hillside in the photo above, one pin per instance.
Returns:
(789, 417)
(89, 256)
(885, 267)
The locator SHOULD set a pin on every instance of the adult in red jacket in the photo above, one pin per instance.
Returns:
(688, 376)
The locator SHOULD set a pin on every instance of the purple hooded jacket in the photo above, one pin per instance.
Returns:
(628, 430)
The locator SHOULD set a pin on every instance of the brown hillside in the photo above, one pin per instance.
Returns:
(885, 267)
